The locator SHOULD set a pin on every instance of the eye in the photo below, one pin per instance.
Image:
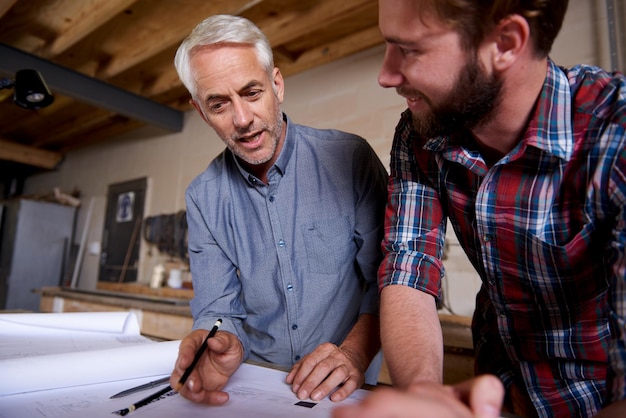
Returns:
(408, 51)
(217, 106)
(253, 94)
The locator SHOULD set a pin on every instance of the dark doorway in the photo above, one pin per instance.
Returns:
(122, 231)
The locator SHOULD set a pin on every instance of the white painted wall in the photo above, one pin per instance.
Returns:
(343, 95)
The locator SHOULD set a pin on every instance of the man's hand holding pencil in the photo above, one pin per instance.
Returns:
(222, 357)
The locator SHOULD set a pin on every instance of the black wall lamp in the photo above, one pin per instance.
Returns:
(29, 89)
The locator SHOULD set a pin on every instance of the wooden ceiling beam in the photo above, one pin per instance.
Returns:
(291, 28)
(140, 39)
(282, 29)
(23, 154)
(77, 19)
(283, 55)
(117, 125)
(93, 91)
(332, 51)
(5, 5)
(129, 45)
(74, 128)
(30, 119)
(166, 80)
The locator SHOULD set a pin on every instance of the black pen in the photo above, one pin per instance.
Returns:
(181, 381)
(139, 388)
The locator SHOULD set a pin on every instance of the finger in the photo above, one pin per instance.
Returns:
(484, 395)
(323, 378)
(348, 411)
(303, 369)
(209, 397)
(382, 403)
(186, 352)
(182, 361)
(207, 393)
(292, 374)
(371, 407)
(220, 343)
(339, 384)
(196, 381)
(344, 390)
(216, 397)
(337, 378)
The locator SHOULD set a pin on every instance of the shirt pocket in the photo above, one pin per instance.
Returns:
(556, 297)
(559, 278)
(329, 245)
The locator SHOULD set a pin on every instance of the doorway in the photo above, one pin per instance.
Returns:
(119, 258)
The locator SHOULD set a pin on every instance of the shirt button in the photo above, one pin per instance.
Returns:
(297, 358)
(294, 327)
(488, 237)
(281, 243)
(290, 287)
(271, 198)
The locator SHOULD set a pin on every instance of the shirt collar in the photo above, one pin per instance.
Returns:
(288, 146)
(281, 162)
(550, 128)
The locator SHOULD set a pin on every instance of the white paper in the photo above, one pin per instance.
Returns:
(45, 351)
(87, 367)
(254, 391)
(30, 335)
(47, 323)
(80, 383)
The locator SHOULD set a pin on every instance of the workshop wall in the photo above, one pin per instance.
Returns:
(343, 95)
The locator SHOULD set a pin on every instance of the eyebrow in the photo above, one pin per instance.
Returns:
(405, 42)
(251, 84)
(394, 40)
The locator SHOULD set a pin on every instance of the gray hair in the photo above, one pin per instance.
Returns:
(221, 29)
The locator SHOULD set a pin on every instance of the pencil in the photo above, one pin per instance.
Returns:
(181, 381)
(196, 358)
(144, 401)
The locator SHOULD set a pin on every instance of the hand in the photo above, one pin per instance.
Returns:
(323, 370)
(615, 409)
(223, 356)
(480, 397)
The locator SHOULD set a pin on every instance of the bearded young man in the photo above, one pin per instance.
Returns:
(527, 161)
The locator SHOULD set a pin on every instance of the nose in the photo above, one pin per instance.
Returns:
(242, 114)
(390, 75)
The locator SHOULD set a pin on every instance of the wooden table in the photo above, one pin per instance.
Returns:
(164, 314)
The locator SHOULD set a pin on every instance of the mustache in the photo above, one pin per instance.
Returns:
(248, 132)
(408, 92)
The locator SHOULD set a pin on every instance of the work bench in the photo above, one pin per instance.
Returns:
(164, 314)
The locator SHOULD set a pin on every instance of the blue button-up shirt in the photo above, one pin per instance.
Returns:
(290, 264)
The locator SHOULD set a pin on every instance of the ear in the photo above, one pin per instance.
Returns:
(511, 39)
(279, 84)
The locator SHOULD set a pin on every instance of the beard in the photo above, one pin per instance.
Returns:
(273, 127)
(469, 104)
